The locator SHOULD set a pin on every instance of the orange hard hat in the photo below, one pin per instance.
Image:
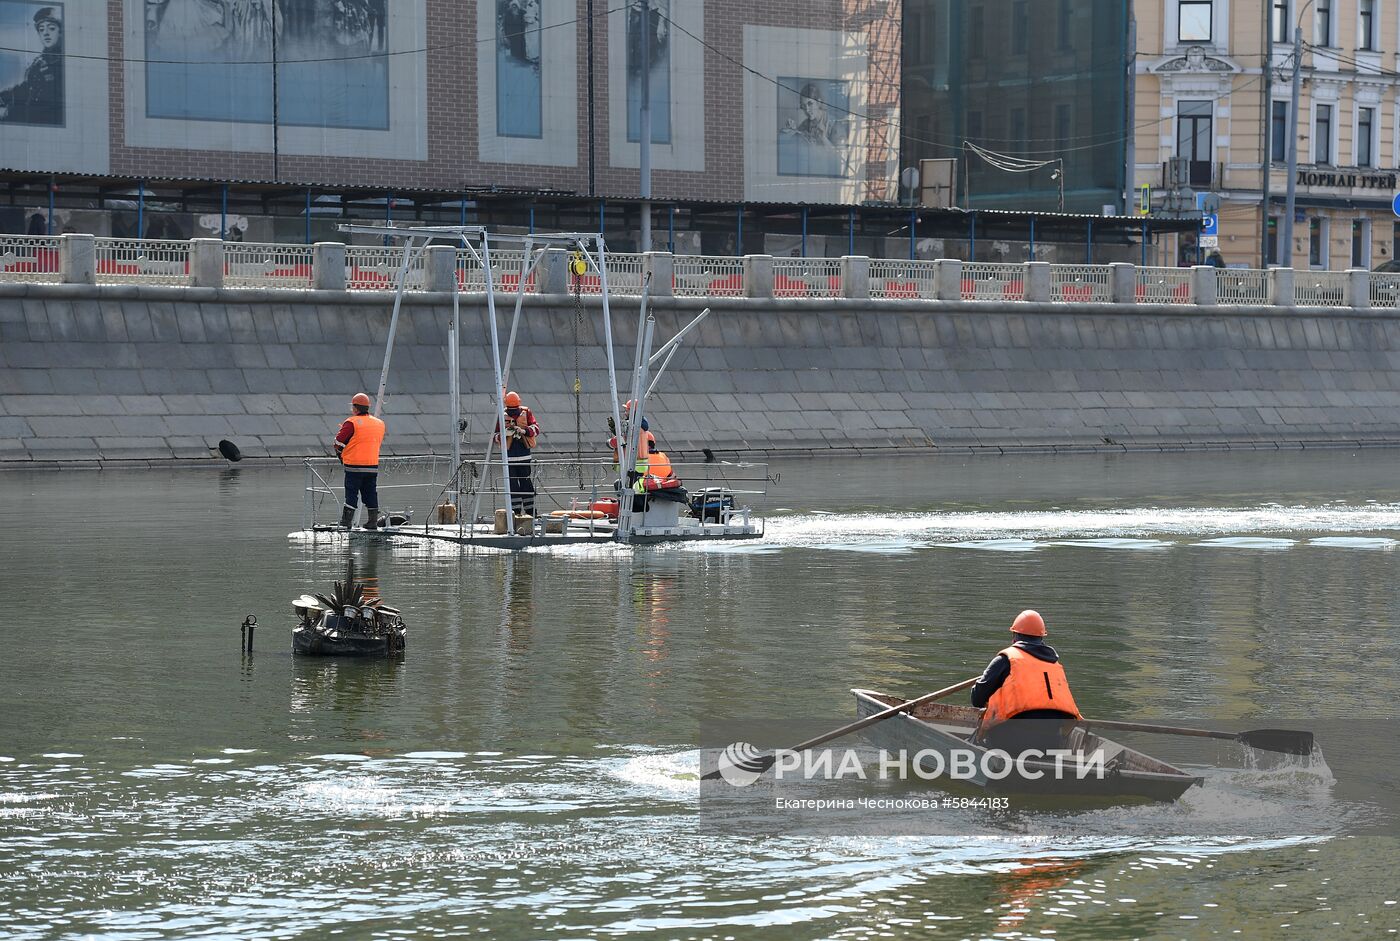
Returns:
(360, 399)
(512, 400)
(1029, 623)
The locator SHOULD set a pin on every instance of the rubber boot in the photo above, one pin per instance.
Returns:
(371, 517)
(347, 517)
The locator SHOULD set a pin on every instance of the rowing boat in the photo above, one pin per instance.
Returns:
(940, 728)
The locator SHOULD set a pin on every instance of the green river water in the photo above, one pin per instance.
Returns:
(528, 770)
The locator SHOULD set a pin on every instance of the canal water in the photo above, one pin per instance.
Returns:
(528, 770)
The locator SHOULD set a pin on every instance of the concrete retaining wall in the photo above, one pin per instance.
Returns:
(125, 373)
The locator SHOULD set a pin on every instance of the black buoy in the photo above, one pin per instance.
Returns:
(246, 632)
(709, 455)
(230, 451)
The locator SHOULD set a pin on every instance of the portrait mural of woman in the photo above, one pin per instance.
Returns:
(31, 63)
(814, 127)
(519, 110)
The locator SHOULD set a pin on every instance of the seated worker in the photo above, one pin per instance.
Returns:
(1025, 693)
(646, 442)
(522, 433)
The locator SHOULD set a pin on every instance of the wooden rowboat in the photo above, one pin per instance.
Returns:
(940, 728)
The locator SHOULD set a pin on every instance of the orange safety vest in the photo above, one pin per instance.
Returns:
(646, 444)
(1031, 684)
(362, 451)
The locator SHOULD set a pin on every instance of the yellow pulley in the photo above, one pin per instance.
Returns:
(578, 265)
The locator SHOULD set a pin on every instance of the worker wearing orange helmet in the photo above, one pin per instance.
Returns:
(357, 445)
(522, 434)
(1024, 693)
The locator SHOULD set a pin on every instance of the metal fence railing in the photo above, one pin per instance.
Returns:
(903, 279)
(267, 265)
(807, 277)
(1163, 286)
(993, 281)
(29, 258)
(708, 276)
(1319, 288)
(147, 261)
(1080, 283)
(1242, 286)
(376, 268)
(1385, 290)
(41, 258)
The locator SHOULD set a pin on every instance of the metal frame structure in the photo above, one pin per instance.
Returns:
(591, 248)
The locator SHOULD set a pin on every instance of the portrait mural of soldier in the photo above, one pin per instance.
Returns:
(518, 70)
(814, 127)
(210, 60)
(656, 30)
(31, 63)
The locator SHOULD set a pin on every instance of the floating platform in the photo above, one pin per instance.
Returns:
(485, 535)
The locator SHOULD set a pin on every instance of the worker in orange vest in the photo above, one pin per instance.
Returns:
(522, 433)
(1024, 693)
(357, 445)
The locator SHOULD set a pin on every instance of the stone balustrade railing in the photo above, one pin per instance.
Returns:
(212, 263)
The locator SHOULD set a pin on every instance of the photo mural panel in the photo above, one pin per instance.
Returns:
(213, 60)
(814, 127)
(806, 93)
(519, 44)
(526, 60)
(677, 84)
(657, 32)
(53, 86)
(31, 63)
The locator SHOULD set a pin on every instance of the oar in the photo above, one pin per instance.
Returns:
(763, 764)
(1288, 741)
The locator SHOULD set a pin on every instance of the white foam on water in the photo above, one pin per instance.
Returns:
(62, 754)
(238, 751)
(1249, 542)
(823, 528)
(992, 545)
(434, 755)
(673, 775)
(1354, 542)
(1141, 545)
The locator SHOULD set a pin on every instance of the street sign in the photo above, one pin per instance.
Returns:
(1210, 225)
(1209, 241)
(1395, 204)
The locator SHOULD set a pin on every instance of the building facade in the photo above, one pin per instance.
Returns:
(1213, 89)
(793, 101)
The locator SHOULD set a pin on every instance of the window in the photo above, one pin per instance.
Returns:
(1322, 134)
(1193, 20)
(1361, 243)
(1324, 22)
(976, 40)
(1278, 132)
(1365, 136)
(1367, 11)
(1194, 139)
(1271, 241)
(1063, 22)
(1283, 31)
(1020, 27)
(1317, 242)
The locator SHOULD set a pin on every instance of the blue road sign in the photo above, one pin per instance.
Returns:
(1395, 204)
(1210, 224)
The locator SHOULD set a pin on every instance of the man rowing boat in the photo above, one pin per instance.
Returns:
(1025, 693)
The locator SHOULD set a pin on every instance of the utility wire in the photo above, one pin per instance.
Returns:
(369, 55)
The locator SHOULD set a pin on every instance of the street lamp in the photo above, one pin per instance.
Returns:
(1286, 230)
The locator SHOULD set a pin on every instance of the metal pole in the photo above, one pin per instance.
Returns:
(739, 234)
(1285, 248)
(671, 230)
(645, 126)
(223, 214)
(1032, 238)
(1089, 245)
(1266, 156)
(48, 224)
(141, 209)
(496, 368)
(804, 231)
(913, 225)
(592, 170)
(851, 231)
(1130, 134)
(308, 216)
(455, 406)
(408, 255)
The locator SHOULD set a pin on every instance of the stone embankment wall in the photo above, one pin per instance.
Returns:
(119, 374)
